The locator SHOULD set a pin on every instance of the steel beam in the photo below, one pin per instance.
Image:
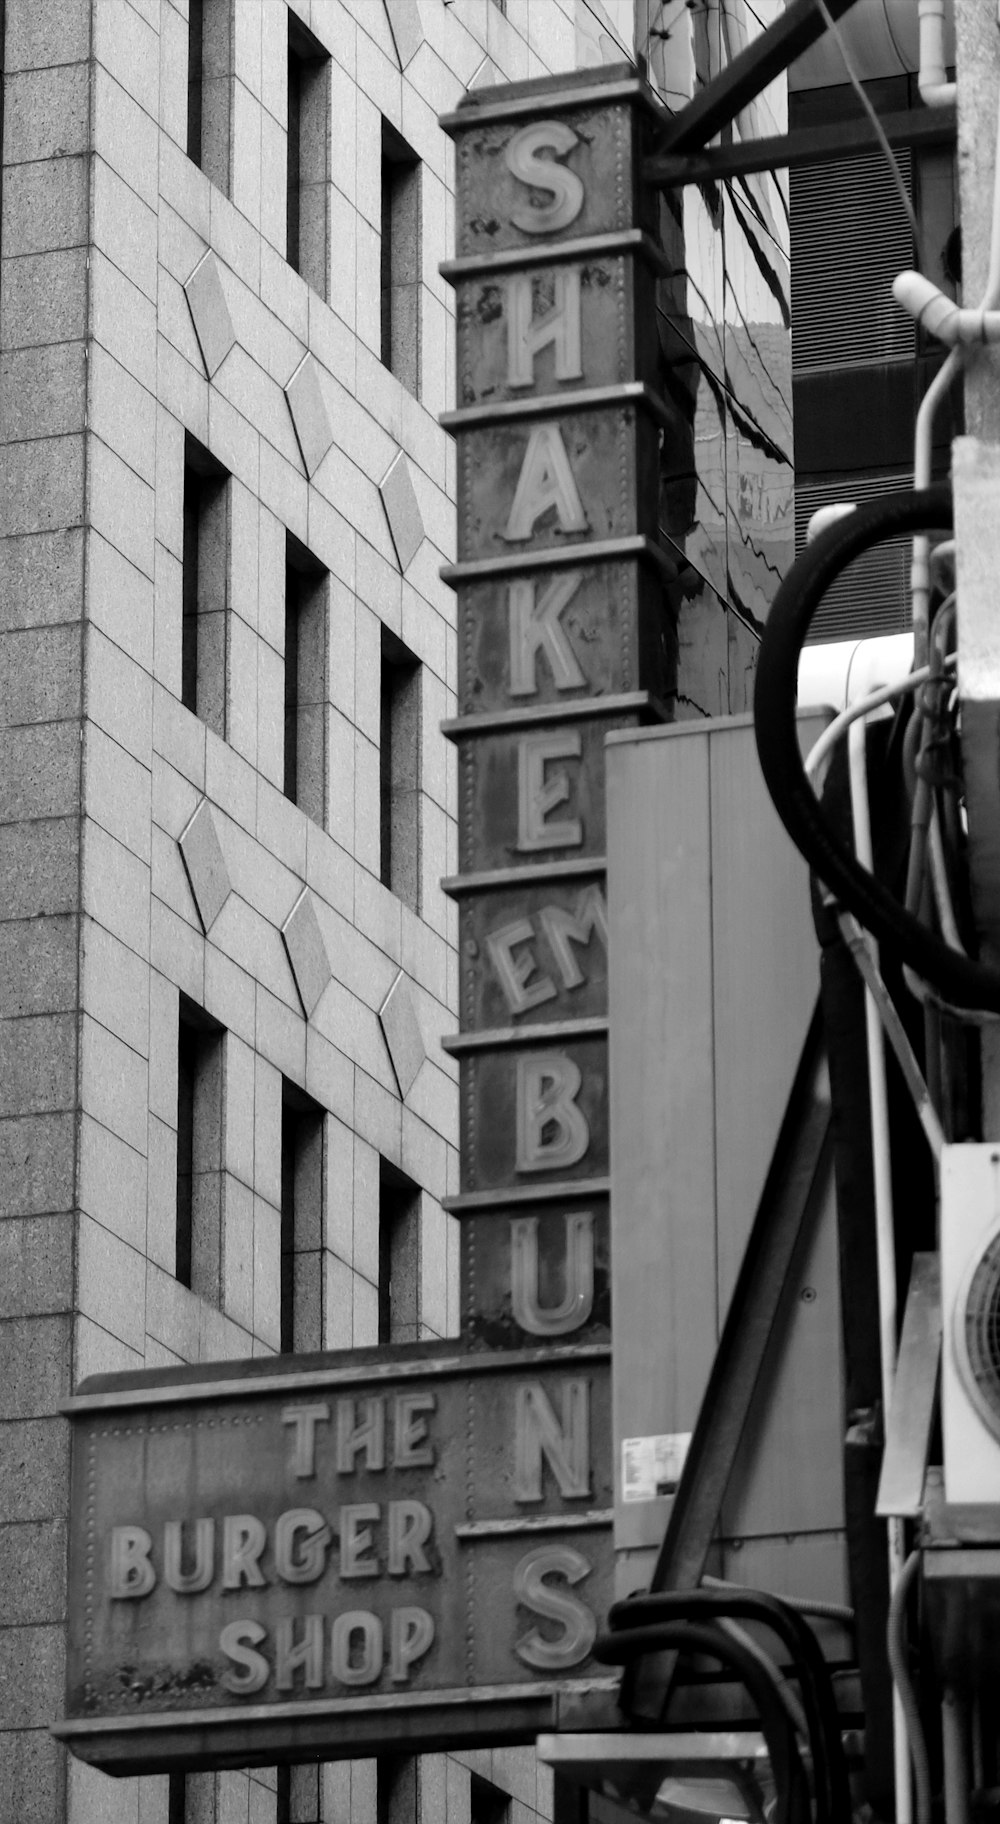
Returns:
(806, 146)
(742, 80)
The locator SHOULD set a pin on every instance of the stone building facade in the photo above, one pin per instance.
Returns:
(226, 1124)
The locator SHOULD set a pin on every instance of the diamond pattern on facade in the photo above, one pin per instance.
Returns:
(401, 1031)
(213, 325)
(407, 31)
(309, 414)
(402, 510)
(205, 864)
(306, 948)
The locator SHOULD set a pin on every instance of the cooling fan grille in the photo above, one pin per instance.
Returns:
(978, 1322)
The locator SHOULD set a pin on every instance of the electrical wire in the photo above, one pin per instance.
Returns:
(896, 1648)
(961, 979)
(803, 1605)
(857, 943)
(625, 1645)
(884, 693)
(634, 1617)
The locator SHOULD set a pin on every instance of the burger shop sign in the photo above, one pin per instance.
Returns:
(336, 1554)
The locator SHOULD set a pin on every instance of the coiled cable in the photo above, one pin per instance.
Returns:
(964, 981)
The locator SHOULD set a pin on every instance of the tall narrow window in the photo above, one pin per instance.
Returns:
(488, 1803)
(301, 1324)
(397, 1789)
(400, 278)
(398, 1257)
(298, 1794)
(191, 1798)
(200, 1062)
(306, 598)
(204, 637)
(399, 770)
(308, 163)
(195, 98)
(209, 88)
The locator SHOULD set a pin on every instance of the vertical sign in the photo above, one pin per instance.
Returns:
(563, 637)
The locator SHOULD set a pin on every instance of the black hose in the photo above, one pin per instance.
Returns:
(810, 1668)
(959, 979)
(625, 1645)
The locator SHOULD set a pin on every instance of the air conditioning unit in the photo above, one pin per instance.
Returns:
(970, 1313)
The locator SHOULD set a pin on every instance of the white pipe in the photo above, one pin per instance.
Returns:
(885, 1244)
(940, 315)
(920, 572)
(932, 81)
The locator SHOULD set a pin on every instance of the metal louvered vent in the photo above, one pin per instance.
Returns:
(979, 1317)
(872, 595)
(849, 239)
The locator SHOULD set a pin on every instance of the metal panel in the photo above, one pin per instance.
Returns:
(662, 1098)
(712, 974)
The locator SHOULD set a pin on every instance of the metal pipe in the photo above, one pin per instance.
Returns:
(885, 1239)
(932, 80)
(955, 1758)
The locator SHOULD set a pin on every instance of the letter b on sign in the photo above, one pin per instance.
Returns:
(552, 1133)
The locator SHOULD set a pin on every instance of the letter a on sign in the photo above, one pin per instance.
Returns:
(546, 480)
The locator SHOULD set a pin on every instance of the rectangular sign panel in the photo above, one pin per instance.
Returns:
(290, 1545)
(536, 1114)
(556, 636)
(537, 1272)
(531, 954)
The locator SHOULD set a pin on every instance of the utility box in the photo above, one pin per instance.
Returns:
(713, 980)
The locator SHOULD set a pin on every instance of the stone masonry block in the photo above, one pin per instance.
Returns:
(45, 114)
(36, 1265)
(38, 1064)
(213, 324)
(402, 510)
(41, 484)
(407, 31)
(32, 1662)
(32, 1775)
(401, 1031)
(306, 947)
(309, 414)
(45, 205)
(38, 964)
(44, 299)
(39, 867)
(38, 1354)
(33, 1579)
(40, 670)
(205, 864)
(42, 391)
(36, 1164)
(36, 1464)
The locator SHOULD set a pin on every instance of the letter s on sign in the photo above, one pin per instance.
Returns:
(563, 185)
(579, 1628)
(238, 1641)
